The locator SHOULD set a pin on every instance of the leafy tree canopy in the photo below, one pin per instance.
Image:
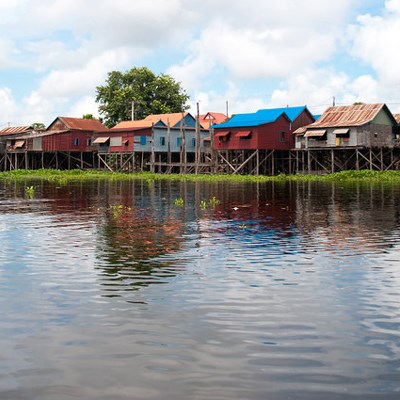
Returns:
(87, 116)
(38, 126)
(151, 94)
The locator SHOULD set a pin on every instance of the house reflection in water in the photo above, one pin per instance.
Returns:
(354, 220)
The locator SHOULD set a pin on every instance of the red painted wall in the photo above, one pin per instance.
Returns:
(126, 135)
(65, 141)
(305, 118)
(267, 136)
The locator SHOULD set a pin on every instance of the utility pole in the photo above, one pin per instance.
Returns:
(333, 101)
(133, 111)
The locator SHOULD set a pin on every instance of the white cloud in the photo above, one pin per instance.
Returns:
(262, 40)
(375, 41)
(84, 105)
(79, 81)
(224, 50)
(8, 108)
(7, 52)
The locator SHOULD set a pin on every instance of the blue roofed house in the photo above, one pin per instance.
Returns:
(265, 129)
(259, 142)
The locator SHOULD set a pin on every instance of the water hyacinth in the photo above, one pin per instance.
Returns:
(63, 177)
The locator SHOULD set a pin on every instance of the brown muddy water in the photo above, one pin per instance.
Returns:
(117, 290)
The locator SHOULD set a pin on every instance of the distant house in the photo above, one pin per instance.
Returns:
(69, 134)
(177, 127)
(13, 138)
(358, 125)
(267, 129)
(212, 118)
(123, 137)
(174, 120)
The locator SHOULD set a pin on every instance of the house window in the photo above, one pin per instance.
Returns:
(178, 142)
(76, 142)
(142, 140)
(193, 142)
(162, 141)
(282, 136)
(89, 142)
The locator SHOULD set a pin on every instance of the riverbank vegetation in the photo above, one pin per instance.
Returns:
(90, 175)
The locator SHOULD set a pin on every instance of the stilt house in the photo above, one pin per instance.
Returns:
(265, 129)
(358, 125)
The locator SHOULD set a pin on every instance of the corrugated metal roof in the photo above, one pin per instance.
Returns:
(222, 134)
(248, 120)
(173, 118)
(82, 124)
(211, 118)
(243, 134)
(101, 139)
(341, 131)
(19, 143)
(315, 133)
(260, 117)
(133, 124)
(291, 112)
(343, 116)
(12, 130)
(300, 131)
(150, 120)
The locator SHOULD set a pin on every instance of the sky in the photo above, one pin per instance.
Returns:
(229, 55)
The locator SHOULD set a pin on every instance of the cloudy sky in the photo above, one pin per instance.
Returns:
(248, 54)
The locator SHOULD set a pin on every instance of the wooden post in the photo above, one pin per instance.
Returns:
(181, 145)
(197, 141)
(258, 162)
(153, 155)
(309, 161)
(214, 158)
(357, 160)
(169, 159)
(370, 158)
(332, 161)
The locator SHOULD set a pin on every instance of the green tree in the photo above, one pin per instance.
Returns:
(87, 116)
(150, 94)
(37, 126)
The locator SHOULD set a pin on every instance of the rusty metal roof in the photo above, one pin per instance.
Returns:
(172, 118)
(13, 130)
(137, 124)
(206, 120)
(353, 115)
(82, 124)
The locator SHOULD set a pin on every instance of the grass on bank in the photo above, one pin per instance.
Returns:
(52, 175)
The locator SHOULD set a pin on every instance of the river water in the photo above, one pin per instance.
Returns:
(177, 290)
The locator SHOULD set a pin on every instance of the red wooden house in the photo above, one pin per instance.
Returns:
(69, 135)
(269, 129)
(122, 137)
